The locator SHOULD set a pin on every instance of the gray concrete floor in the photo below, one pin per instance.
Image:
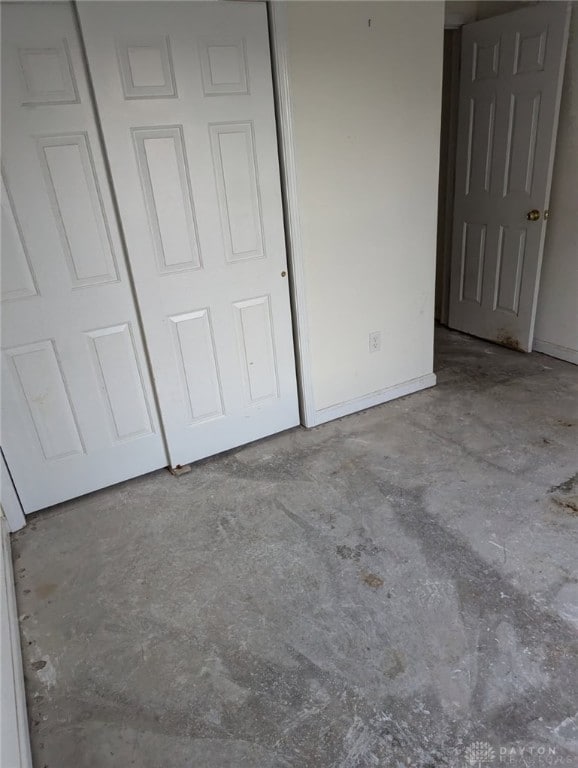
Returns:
(383, 590)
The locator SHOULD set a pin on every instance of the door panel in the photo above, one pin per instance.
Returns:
(72, 188)
(167, 191)
(77, 404)
(511, 78)
(184, 93)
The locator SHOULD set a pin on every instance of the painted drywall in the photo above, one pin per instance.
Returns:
(487, 8)
(466, 11)
(458, 12)
(365, 84)
(557, 317)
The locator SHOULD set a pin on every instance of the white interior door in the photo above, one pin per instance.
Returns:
(77, 408)
(511, 79)
(184, 93)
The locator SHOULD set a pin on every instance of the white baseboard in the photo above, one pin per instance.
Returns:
(555, 350)
(374, 398)
(14, 735)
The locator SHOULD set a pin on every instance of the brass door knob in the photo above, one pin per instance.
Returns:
(533, 215)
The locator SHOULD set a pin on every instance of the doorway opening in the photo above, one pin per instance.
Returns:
(448, 140)
(502, 90)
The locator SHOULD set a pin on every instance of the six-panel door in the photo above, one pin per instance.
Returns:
(511, 76)
(78, 411)
(184, 93)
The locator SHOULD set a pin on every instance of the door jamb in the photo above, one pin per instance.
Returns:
(9, 500)
(277, 14)
(445, 252)
(14, 731)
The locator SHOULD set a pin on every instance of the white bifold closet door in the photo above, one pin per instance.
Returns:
(77, 405)
(184, 94)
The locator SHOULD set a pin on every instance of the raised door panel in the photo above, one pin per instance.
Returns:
(197, 363)
(42, 391)
(164, 177)
(481, 128)
(76, 203)
(224, 67)
(47, 75)
(485, 59)
(256, 348)
(523, 117)
(146, 68)
(121, 381)
(473, 252)
(509, 269)
(17, 277)
(530, 51)
(233, 146)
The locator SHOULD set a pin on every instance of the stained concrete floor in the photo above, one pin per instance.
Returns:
(384, 590)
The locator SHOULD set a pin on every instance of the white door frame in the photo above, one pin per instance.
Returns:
(444, 254)
(9, 499)
(14, 734)
(290, 187)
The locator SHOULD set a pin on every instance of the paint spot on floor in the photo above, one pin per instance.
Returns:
(372, 580)
(45, 590)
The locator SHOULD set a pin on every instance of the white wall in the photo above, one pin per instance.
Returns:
(459, 12)
(366, 101)
(557, 318)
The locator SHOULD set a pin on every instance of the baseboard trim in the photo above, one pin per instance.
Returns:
(555, 350)
(14, 734)
(374, 398)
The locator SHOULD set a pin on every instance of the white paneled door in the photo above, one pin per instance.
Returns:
(184, 94)
(511, 78)
(78, 410)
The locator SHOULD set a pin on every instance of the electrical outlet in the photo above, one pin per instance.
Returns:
(374, 341)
